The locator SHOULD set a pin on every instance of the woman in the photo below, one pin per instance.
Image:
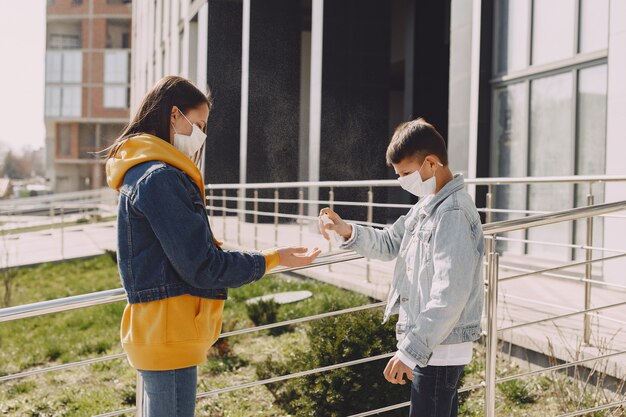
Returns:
(173, 270)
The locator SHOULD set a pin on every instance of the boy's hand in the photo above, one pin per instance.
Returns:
(396, 370)
(341, 227)
(296, 256)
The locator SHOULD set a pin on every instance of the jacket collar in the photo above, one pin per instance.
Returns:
(457, 183)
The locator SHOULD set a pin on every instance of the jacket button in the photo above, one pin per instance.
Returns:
(404, 299)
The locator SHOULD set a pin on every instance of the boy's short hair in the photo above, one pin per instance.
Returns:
(416, 138)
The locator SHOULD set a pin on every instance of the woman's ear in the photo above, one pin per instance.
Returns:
(173, 115)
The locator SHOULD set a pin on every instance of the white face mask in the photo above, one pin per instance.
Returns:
(189, 144)
(414, 184)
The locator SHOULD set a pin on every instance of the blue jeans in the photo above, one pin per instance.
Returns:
(169, 393)
(434, 391)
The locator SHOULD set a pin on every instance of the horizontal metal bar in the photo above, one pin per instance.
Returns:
(304, 319)
(546, 304)
(562, 245)
(286, 216)
(62, 304)
(118, 412)
(223, 335)
(408, 403)
(295, 375)
(394, 183)
(590, 410)
(566, 266)
(562, 277)
(305, 201)
(562, 316)
(558, 367)
(552, 218)
(62, 367)
(118, 294)
(382, 410)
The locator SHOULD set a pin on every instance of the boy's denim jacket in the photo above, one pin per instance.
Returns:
(443, 292)
(165, 244)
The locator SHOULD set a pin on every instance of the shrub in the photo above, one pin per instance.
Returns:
(265, 312)
(517, 392)
(343, 391)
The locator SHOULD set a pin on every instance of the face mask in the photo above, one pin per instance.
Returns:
(413, 183)
(189, 144)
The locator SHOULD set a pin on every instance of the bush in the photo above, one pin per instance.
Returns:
(517, 392)
(344, 391)
(264, 312)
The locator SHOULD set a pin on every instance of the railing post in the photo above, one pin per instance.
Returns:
(301, 212)
(331, 201)
(276, 195)
(370, 219)
(492, 330)
(139, 396)
(240, 217)
(588, 276)
(489, 204)
(224, 215)
(255, 216)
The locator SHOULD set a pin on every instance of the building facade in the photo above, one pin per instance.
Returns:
(87, 87)
(312, 89)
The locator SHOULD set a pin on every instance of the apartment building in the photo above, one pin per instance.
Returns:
(87, 87)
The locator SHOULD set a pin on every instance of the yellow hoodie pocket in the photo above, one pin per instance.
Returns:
(208, 321)
(180, 319)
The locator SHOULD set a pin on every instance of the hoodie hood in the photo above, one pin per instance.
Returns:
(142, 148)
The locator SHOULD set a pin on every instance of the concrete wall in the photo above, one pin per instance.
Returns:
(615, 229)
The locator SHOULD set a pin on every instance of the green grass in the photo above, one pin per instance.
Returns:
(92, 332)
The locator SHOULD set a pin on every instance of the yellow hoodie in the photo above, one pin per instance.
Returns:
(176, 332)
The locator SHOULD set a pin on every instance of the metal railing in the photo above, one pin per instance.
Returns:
(491, 230)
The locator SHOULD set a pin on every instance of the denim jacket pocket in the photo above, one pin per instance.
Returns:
(425, 239)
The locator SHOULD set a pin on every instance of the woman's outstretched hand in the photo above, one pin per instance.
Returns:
(296, 256)
(342, 228)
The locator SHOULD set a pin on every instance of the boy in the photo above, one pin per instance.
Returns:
(437, 287)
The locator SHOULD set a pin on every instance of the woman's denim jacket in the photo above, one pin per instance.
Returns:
(165, 244)
(443, 291)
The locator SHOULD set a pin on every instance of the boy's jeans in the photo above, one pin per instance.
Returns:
(434, 391)
(169, 393)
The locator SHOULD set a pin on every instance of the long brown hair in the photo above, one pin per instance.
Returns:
(154, 112)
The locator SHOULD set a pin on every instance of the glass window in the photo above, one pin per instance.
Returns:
(594, 25)
(54, 65)
(116, 97)
(116, 67)
(553, 30)
(71, 103)
(53, 101)
(72, 67)
(117, 33)
(87, 141)
(509, 154)
(512, 35)
(64, 144)
(551, 153)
